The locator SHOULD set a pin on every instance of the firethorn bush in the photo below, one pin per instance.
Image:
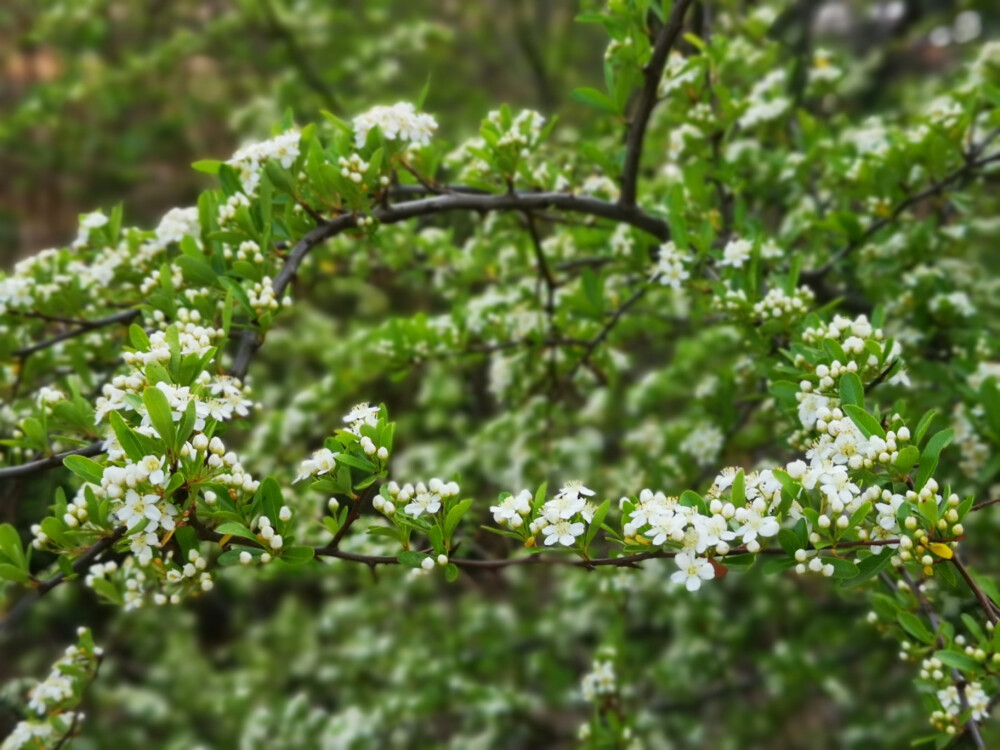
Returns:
(677, 428)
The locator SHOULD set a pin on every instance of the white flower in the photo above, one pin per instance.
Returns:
(564, 532)
(692, 571)
(755, 524)
(736, 253)
(423, 502)
(138, 508)
(399, 122)
(511, 507)
(323, 461)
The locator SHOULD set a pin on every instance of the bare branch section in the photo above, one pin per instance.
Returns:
(33, 467)
(665, 40)
(82, 327)
(440, 204)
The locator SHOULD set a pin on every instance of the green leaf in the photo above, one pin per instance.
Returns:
(841, 568)
(12, 573)
(866, 422)
(208, 166)
(298, 555)
(594, 98)
(915, 627)
(138, 337)
(451, 521)
(922, 426)
(851, 390)
(929, 457)
(126, 437)
(739, 491)
(961, 662)
(10, 545)
(160, 413)
(907, 459)
(108, 590)
(236, 529)
(451, 572)
(789, 541)
(345, 459)
(868, 568)
(85, 468)
(411, 559)
(197, 271)
(595, 525)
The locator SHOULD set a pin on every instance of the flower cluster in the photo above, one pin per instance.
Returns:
(399, 122)
(53, 701)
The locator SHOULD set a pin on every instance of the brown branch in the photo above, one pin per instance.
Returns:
(13, 472)
(971, 725)
(83, 326)
(440, 204)
(44, 587)
(605, 331)
(652, 73)
(965, 171)
(625, 561)
(984, 601)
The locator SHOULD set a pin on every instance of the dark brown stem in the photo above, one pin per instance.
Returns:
(652, 73)
(32, 467)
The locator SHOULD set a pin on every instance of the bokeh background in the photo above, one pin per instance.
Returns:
(104, 101)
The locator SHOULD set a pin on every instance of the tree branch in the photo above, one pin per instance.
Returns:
(965, 171)
(647, 99)
(13, 472)
(440, 204)
(44, 587)
(83, 326)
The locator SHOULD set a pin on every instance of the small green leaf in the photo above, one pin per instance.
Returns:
(451, 521)
(907, 459)
(126, 437)
(298, 555)
(411, 559)
(841, 568)
(451, 572)
(929, 457)
(85, 468)
(236, 529)
(915, 627)
(851, 390)
(208, 166)
(868, 568)
(160, 413)
(789, 541)
(595, 525)
(866, 422)
(594, 98)
(108, 590)
(138, 337)
(10, 545)
(961, 662)
(739, 491)
(197, 271)
(12, 573)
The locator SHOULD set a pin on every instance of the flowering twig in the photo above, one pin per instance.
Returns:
(44, 587)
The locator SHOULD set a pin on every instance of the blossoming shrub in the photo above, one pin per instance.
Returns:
(750, 335)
